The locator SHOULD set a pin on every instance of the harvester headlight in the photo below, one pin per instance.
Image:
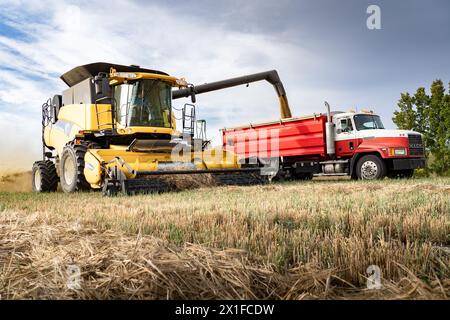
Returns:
(397, 151)
(129, 75)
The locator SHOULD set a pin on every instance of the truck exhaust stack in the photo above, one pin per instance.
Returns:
(329, 132)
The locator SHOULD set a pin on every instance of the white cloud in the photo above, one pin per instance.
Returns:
(149, 35)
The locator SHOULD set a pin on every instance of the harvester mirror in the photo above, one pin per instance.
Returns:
(98, 82)
(54, 108)
(101, 83)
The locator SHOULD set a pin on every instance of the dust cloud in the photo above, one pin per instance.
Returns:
(15, 169)
(15, 181)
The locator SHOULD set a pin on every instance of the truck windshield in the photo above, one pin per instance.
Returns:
(367, 122)
(143, 103)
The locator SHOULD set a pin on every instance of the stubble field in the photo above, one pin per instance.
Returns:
(292, 240)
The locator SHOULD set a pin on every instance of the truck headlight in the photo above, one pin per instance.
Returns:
(397, 151)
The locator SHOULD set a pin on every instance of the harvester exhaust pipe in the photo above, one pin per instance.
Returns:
(270, 76)
(329, 132)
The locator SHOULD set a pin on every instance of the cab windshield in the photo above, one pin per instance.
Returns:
(143, 103)
(367, 122)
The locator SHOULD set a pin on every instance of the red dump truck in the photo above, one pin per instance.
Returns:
(335, 143)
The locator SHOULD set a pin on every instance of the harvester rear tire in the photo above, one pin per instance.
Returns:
(44, 176)
(72, 168)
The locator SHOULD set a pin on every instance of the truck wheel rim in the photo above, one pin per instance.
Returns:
(37, 180)
(369, 170)
(69, 170)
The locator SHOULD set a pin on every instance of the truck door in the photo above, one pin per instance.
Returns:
(345, 137)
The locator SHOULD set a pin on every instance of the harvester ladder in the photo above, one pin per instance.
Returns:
(189, 120)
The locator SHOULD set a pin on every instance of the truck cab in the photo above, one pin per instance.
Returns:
(388, 152)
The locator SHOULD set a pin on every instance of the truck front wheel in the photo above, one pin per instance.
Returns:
(370, 167)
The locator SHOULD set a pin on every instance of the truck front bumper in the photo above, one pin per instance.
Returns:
(405, 164)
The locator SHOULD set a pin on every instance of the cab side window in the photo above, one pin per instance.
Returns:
(345, 125)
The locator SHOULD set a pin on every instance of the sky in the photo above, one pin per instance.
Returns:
(323, 50)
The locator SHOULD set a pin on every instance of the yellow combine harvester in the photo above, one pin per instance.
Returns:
(114, 129)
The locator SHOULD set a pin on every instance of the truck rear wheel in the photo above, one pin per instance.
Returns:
(72, 168)
(44, 176)
(370, 167)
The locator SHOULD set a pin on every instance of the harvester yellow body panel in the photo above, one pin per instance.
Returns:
(97, 161)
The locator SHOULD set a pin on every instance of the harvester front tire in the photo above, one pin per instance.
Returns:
(72, 168)
(371, 167)
(44, 176)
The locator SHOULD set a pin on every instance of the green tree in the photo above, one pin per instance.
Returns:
(406, 118)
(421, 100)
(429, 115)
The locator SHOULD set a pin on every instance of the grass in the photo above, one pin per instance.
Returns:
(284, 241)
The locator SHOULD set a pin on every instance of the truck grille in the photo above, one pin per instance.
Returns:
(416, 147)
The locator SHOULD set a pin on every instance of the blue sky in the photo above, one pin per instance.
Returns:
(322, 50)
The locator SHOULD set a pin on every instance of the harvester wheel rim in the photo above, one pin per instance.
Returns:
(37, 180)
(69, 170)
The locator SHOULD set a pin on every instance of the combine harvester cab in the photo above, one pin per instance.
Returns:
(114, 129)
